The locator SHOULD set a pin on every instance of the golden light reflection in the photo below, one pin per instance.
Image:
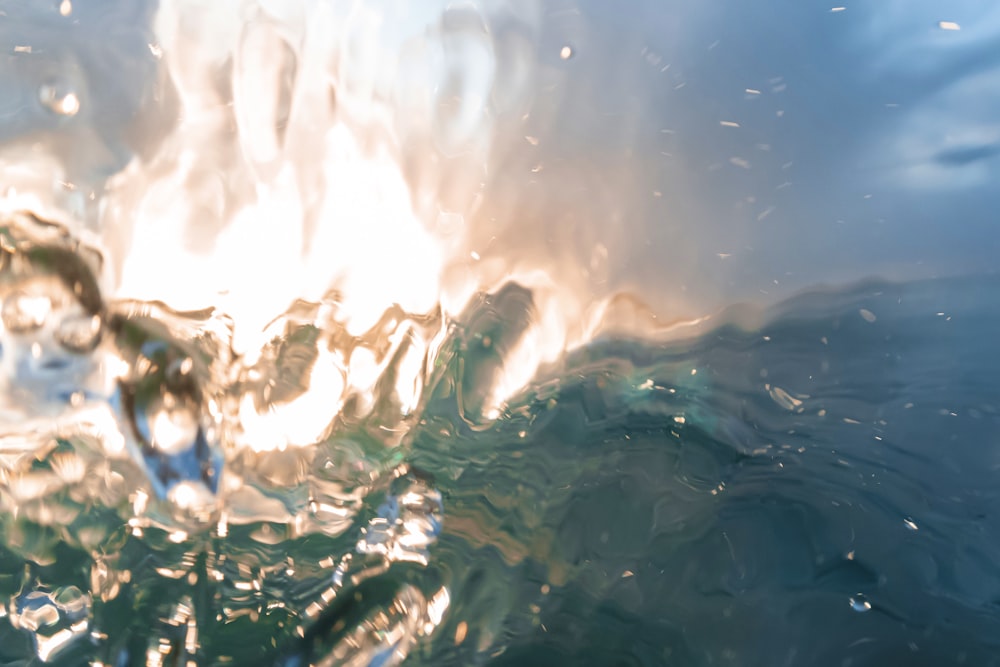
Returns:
(289, 175)
(248, 220)
(302, 421)
(289, 202)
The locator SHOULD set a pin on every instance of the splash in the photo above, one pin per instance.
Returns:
(329, 155)
(218, 356)
(287, 161)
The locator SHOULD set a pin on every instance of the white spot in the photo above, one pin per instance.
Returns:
(64, 105)
(784, 399)
(860, 604)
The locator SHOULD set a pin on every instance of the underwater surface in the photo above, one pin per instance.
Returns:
(499, 333)
(816, 489)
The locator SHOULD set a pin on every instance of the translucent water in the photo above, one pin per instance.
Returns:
(827, 464)
(819, 490)
(355, 333)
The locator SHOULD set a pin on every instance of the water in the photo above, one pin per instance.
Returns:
(819, 490)
(345, 333)
(813, 484)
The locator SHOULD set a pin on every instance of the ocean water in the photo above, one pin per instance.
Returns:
(498, 333)
(816, 491)
(817, 487)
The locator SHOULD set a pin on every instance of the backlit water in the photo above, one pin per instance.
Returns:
(816, 489)
(780, 446)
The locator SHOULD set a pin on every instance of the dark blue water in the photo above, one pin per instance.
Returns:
(821, 492)
(814, 485)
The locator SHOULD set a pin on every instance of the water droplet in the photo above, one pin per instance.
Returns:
(23, 312)
(868, 315)
(79, 333)
(59, 99)
(860, 603)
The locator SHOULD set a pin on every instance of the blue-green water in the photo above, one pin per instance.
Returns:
(817, 488)
(829, 497)
(812, 484)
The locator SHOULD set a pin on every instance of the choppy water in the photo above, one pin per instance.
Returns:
(818, 491)
(810, 485)
(814, 483)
